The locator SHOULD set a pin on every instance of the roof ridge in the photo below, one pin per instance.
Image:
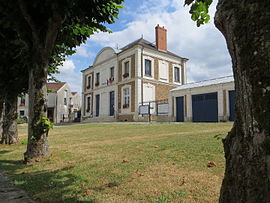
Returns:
(209, 79)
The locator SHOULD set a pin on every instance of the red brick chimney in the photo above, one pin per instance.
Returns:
(161, 38)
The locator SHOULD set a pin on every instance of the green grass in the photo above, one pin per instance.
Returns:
(123, 162)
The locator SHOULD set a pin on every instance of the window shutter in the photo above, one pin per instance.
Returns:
(163, 70)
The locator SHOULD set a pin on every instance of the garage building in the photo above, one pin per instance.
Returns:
(205, 101)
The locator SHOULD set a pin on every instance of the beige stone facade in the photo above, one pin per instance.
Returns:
(139, 73)
(223, 88)
(161, 90)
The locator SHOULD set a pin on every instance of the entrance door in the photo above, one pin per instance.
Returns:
(231, 104)
(50, 114)
(97, 104)
(179, 109)
(112, 103)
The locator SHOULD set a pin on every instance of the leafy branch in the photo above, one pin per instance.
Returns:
(199, 10)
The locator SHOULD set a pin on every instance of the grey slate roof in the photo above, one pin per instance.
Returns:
(148, 45)
(204, 83)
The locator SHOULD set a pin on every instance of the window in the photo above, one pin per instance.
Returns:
(65, 97)
(176, 74)
(126, 70)
(70, 101)
(97, 104)
(97, 79)
(21, 113)
(88, 82)
(126, 97)
(112, 73)
(88, 103)
(148, 67)
(22, 103)
(163, 70)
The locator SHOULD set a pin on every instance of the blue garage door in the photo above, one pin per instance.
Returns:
(205, 107)
(231, 104)
(179, 109)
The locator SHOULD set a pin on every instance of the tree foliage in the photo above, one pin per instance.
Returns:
(51, 30)
(199, 10)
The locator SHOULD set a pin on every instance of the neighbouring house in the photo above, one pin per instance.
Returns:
(75, 106)
(120, 84)
(23, 103)
(205, 101)
(62, 104)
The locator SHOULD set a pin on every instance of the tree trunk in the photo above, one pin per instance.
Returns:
(1, 117)
(37, 134)
(245, 25)
(10, 132)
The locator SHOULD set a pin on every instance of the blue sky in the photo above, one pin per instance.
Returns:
(205, 47)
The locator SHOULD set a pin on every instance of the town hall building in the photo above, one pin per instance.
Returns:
(119, 83)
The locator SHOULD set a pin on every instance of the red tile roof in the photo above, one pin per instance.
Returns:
(73, 93)
(55, 86)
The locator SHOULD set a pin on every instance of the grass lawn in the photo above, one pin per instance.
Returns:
(123, 162)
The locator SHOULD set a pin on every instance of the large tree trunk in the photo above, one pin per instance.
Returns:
(1, 117)
(37, 134)
(10, 132)
(42, 45)
(245, 25)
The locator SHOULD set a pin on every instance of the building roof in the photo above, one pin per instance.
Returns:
(55, 85)
(74, 93)
(143, 43)
(204, 83)
(149, 45)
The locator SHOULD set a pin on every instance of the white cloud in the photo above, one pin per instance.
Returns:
(83, 51)
(68, 66)
(68, 74)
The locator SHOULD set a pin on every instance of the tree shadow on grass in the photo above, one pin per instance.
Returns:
(4, 151)
(44, 186)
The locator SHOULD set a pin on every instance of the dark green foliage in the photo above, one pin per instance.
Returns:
(44, 124)
(50, 30)
(199, 10)
(13, 66)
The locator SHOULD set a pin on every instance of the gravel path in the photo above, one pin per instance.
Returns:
(9, 193)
